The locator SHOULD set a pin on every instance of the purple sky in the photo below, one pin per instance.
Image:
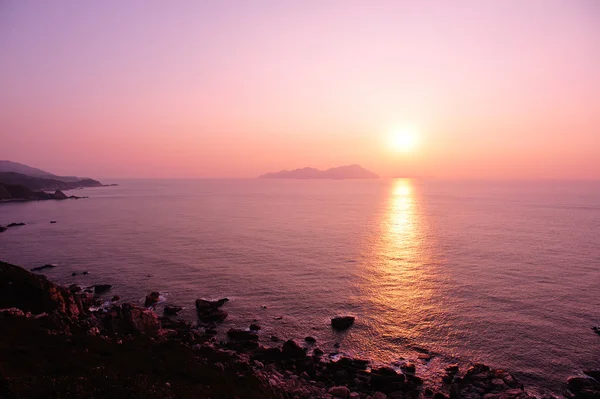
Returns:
(491, 89)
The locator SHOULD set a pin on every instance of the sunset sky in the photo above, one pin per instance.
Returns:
(487, 89)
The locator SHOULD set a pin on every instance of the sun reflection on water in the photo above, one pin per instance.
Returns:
(397, 279)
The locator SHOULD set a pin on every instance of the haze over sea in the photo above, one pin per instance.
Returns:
(500, 272)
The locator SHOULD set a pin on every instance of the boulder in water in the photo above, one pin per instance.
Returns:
(342, 323)
(208, 311)
(152, 299)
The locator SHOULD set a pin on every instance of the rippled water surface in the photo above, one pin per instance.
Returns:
(504, 273)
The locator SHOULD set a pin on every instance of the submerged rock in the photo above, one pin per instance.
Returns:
(342, 323)
(40, 268)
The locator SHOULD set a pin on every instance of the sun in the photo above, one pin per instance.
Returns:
(405, 139)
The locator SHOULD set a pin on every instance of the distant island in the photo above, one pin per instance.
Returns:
(20, 182)
(340, 172)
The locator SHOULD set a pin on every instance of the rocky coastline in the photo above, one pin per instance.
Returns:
(65, 342)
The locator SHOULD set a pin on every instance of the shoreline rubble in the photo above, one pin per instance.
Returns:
(51, 341)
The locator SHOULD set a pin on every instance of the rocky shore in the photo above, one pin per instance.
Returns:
(64, 342)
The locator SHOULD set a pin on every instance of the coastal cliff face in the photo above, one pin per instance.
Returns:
(63, 342)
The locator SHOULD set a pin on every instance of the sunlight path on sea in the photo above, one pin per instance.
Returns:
(399, 280)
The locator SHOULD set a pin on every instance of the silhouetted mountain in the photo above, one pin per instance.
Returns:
(9, 166)
(341, 172)
(43, 184)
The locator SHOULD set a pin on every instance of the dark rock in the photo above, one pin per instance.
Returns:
(342, 323)
(408, 368)
(439, 395)
(85, 273)
(350, 364)
(336, 345)
(310, 340)
(59, 195)
(34, 293)
(208, 311)
(40, 268)
(15, 224)
(254, 327)
(452, 369)
(73, 274)
(73, 288)
(130, 319)
(595, 374)
(241, 335)
(596, 330)
(291, 349)
(172, 310)
(151, 299)
(339, 392)
(53, 221)
(317, 352)
(578, 384)
(115, 298)
(274, 338)
(2, 229)
(242, 339)
(386, 380)
(475, 369)
(102, 288)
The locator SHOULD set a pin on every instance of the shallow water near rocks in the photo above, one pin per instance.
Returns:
(502, 273)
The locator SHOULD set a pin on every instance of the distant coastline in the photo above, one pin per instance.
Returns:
(337, 173)
(20, 183)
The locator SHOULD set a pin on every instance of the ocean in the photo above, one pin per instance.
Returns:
(504, 273)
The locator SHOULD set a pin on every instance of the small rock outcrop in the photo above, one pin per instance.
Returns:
(59, 195)
(342, 323)
(208, 311)
(152, 299)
